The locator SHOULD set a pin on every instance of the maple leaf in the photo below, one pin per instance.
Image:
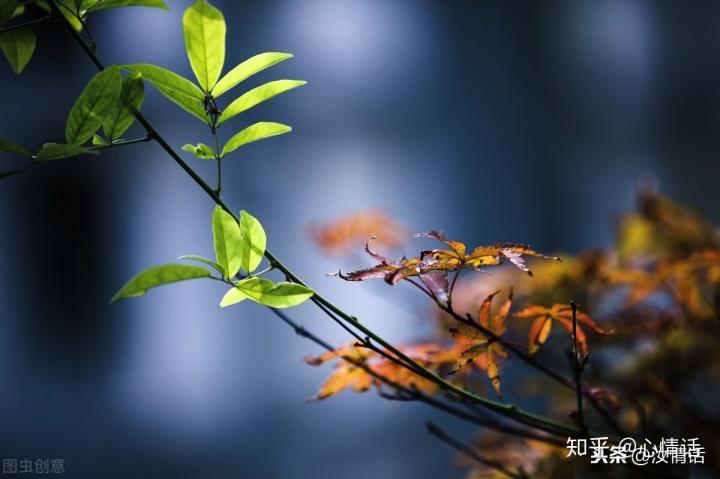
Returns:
(351, 352)
(479, 349)
(357, 369)
(437, 283)
(695, 281)
(392, 271)
(430, 262)
(691, 281)
(677, 226)
(562, 314)
(481, 256)
(641, 284)
(342, 234)
(348, 373)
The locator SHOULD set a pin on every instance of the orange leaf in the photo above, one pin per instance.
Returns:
(539, 332)
(341, 235)
(581, 338)
(540, 329)
(531, 311)
(342, 378)
(484, 312)
(457, 248)
(467, 335)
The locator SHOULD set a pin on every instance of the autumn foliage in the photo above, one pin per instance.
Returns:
(647, 328)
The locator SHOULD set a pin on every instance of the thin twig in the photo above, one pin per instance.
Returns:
(578, 366)
(117, 143)
(26, 24)
(471, 453)
(511, 411)
(408, 394)
(531, 361)
(84, 27)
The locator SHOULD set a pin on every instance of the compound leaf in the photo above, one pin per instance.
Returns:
(248, 68)
(202, 259)
(158, 276)
(254, 242)
(121, 114)
(258, 95)
(12, 147)
(204, 31)
(105, 4)
(227, 241)
(18, 47)
(87, 113)
(255, 132)
(200, 150)
(54, 151)
(176, 88)
(264, 291)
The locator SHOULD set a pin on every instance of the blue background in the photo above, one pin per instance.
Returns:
(495, 121)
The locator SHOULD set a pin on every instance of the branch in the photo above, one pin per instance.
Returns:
(26, 24)
(8, 174)
(471, 453)
(530, 360)
(578, 367)
(508, 410)
(116, 143)
(404, 393)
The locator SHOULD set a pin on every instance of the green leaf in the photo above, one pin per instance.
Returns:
(85, 5)
(18, 47)
(105, 4)
(87, 113)
(254, 242)
(54, 151)
(202, 259)
(175, 87)
(204, 31)
(258, 95)
(98, 140)
(18, 11)
(158, 276)
(232, 296)
(248, 68)
(200, 150)
(255, 132)
(68, 10)
(227, 241)
(121, 114)
(7, 9)
(264, 291)
(12, 147)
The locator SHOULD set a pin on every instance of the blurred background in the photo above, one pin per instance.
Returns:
(495, 121)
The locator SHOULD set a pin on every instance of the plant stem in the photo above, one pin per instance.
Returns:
(471, 453)
(508, 410)
(530, 360)
(417, 395)
(26, 24)
(218, 159)
(578, 368)
(85, 29)
(116, 143)
(7, 174)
